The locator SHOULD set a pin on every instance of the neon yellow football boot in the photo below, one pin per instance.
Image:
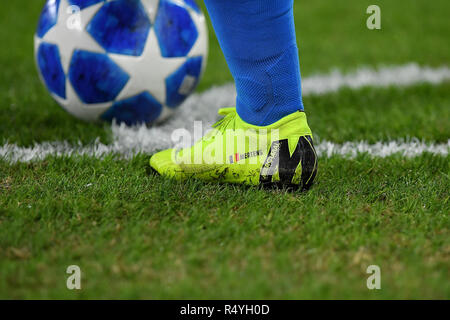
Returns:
(281, 154)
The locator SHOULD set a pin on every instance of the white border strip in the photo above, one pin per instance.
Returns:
(409, 149)
(128, 141)
(404, 75)
(13, 153)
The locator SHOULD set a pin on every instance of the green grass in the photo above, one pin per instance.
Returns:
(370, 114)
(374, 114)
(136, 235)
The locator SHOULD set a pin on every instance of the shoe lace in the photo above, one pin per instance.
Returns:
(228, 119)
(223, 124)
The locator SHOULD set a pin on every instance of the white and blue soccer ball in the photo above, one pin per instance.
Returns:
(134, 61)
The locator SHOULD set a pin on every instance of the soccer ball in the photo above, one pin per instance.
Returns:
(134, 61)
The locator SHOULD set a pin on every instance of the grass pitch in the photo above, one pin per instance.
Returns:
(136, 235)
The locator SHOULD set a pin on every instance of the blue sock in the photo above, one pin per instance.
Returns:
(258, 40)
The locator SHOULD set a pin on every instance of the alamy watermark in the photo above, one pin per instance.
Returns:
(374, 280)
(374, 20)
(74, 280)
(74, 19)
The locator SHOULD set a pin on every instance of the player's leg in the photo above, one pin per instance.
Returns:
(258, 40)
(268, 140)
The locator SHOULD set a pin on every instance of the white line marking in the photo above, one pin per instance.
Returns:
(404, 75)
(13, 154)
(128, 141)
(409, 149)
